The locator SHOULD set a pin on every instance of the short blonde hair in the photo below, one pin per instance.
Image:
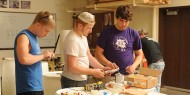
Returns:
(44, 18)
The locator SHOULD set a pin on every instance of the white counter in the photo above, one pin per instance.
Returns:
(8, 76)
(51, 82)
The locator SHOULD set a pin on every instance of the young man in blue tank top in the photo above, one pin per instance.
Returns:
(27, 54)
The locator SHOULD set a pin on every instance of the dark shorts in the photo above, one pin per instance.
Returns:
(66, 83)
(32, 93)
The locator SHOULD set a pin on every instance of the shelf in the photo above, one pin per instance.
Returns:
(115, 3)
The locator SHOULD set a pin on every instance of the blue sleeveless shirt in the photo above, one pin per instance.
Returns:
(28, 77)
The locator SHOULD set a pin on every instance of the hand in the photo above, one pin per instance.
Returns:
(109, 72)
(98, 73)
(112, 65)
(105, 69)
(52, 54)
(48, 55)
(130, 69)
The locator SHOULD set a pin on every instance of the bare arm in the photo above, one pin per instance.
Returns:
(77, 69)
(93, 62)
(137, 61)
(23, 47)
(100, 56)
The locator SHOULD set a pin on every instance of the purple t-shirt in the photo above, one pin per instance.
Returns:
(119, 45)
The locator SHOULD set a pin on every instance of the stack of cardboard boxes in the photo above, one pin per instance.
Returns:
(146, 78)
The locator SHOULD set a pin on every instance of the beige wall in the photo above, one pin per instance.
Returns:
(142, 19)
(59, 7)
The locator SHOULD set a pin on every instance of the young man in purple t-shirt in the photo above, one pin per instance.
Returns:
(117, 44)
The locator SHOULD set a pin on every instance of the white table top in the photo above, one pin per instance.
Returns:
(81, 90)
(56, 74)
(150, 91)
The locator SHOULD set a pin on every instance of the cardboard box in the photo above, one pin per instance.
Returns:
(146, 78)
(134, 92)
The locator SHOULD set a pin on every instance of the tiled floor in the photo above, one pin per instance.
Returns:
(173, 92)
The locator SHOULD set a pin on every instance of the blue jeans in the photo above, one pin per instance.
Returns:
(66, 83)
(158, 66)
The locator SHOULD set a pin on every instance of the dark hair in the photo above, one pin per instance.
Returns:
(124, 12)
(44, 18)
(142, 32)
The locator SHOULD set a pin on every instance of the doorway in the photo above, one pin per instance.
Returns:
(174, 38)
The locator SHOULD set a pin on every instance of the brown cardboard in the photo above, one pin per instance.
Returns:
(134, 92)
(147, 78)
(149, 72)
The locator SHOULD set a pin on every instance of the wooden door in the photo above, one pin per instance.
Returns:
(174, 31)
